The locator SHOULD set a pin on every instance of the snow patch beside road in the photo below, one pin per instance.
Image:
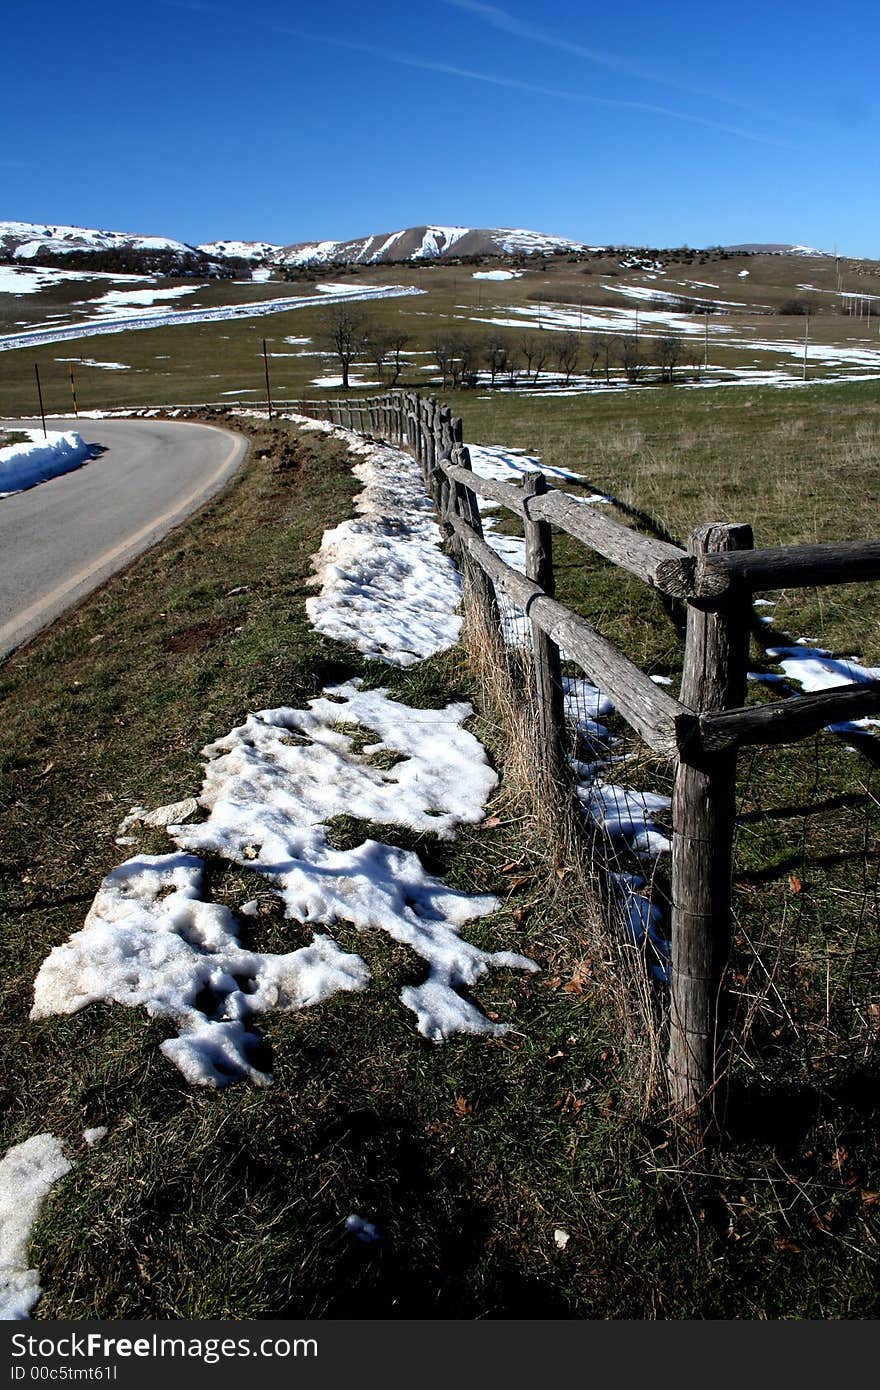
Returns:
(24, 465)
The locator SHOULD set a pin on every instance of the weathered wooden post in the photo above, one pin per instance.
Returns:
(703, 815)
(430, 433)
(547, 670)
(481, 588)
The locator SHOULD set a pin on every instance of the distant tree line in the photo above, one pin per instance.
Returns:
(137, 261)
(464, 361)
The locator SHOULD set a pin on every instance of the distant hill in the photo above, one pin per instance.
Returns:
(772, 248)
(240, 250)
(426, 243)
(87, 248)
(84, 248)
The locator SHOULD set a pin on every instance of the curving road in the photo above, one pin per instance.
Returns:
(63, 538)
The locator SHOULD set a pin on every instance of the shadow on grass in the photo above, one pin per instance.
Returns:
(439, 1253)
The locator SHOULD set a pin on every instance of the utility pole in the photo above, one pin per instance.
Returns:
(806, 343)
(40, 398)
(268, 391)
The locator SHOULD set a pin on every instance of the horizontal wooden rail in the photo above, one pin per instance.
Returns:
(660, 720)
(786, 721)
(701, 732)
(659, 564)
(505, 493)
(787, 567)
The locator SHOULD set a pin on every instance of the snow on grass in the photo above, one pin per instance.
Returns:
(20, 281)
(362, 1229)
(333, 381)
(386, 586)
(153, 939)
(300, 768)
(129, 303)
(567, 318)
(24, 465)
(814, 668)
(651, 294)
(28, 1173)
(118, 320)
(497, 274)
(90, 362)
(624, 815)
(510, 465)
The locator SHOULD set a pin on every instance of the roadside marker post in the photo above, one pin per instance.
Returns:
(73, 391)
(40, 398)
(268, 391)
(806, 344)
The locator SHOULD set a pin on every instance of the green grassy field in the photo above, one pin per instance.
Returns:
(195, 363)
(469, 1157)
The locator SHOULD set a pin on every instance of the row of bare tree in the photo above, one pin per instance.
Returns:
(464, 361)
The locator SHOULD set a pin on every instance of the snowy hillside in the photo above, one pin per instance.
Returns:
(89, 248)
(242, 250)
(28, 239)
(427, 243)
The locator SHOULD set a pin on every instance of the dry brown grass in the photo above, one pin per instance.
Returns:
(572, 861)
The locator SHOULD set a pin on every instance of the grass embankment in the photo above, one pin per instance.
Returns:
(468, 1157)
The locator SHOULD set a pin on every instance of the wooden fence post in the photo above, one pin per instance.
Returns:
(480, 585)
(703, 815)
(547, 670)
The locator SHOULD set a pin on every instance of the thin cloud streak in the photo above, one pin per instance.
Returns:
(535, 33)
(392, 55)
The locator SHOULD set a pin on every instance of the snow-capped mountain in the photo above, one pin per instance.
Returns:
(774, 248)
(91, 248)
(242, 250)
(426, 243)
(27, 240)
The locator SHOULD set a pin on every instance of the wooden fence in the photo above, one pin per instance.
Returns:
(700, 732)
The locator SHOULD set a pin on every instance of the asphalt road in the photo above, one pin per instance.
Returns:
(63, 538)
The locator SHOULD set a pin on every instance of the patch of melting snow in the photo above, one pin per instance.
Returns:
(814, 669)
(28, 1172)
(386, 586)
(90, 362)
(362, 1230)
(153, 939)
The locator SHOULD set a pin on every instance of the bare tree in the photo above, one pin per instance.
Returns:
(442, 351)
(497, 354)
(535, 351)
(568, 349)
(347, 334)
(630, 357)
(667, 353)
(463, 362)
(378, 347)
(397, 341)
(528, 347)
(610, 347)
(598, 349)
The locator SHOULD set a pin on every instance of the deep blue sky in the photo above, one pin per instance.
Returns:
(650, 122)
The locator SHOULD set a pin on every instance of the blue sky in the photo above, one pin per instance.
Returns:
(644, 123)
